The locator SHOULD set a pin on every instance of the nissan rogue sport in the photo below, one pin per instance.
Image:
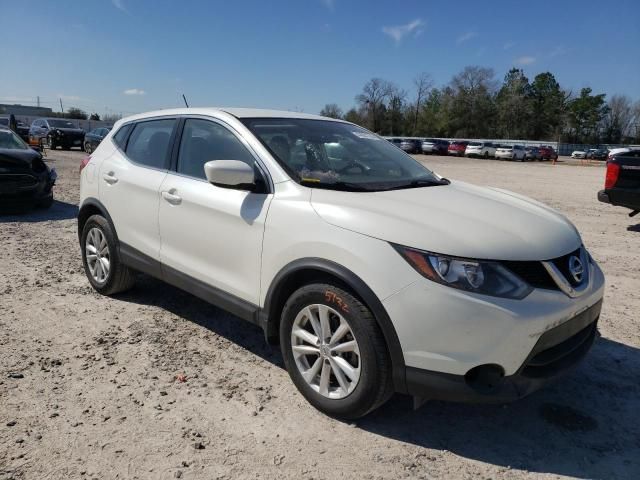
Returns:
(374, 274)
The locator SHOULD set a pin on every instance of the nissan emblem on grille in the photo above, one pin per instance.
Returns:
(576, 268)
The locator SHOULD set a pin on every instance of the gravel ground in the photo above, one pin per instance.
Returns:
(157, 384)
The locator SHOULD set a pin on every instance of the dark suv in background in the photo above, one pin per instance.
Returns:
(57, 132)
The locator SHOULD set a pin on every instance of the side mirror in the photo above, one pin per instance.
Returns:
(230, 174)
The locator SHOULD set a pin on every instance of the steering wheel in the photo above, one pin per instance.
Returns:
(364, 169)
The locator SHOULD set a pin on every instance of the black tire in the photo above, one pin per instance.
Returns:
(52, 143)
(120, 278)
(486, 155)
(374, 386)
(87, 147)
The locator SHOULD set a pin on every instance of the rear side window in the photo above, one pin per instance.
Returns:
(120, 137)
(203, 141)
(150, 143)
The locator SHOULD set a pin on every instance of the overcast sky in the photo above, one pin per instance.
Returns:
(134, 55)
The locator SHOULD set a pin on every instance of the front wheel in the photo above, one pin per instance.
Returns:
(101, 258)
(52, 143)
(87, 147)
(335, 352)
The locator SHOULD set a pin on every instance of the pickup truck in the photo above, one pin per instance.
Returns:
(622, 182)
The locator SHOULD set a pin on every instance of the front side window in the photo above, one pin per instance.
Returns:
(11, 141)
(339, 156)
(149, 143)
(204, 141)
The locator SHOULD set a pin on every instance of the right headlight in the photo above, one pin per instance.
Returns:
(477, 276)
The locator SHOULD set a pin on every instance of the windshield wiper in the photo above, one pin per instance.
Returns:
(422, 182)
(345, 186)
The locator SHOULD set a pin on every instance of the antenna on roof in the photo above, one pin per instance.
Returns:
(185, 100)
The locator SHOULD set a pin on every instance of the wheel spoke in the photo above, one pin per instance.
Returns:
(340, 332)
(98, 273)
(346, 368)
(311, 373)
(350, 346)
(324, 378)
(305, 350)
(105, 265)
(325, 327)
(337, 372)
(305, 336)
(313, 321)
(91, 248)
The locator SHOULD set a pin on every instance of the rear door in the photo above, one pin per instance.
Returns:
(211, 234)
(130, 180)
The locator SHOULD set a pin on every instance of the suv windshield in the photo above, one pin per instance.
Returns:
(61, 124)
(339, 156)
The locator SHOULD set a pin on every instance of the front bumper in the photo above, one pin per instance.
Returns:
(557, 351)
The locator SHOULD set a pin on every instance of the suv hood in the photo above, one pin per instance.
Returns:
(457, 219)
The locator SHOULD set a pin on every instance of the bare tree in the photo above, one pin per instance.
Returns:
(619, 119)
(332, 110)
(372, 100)
(423, 83)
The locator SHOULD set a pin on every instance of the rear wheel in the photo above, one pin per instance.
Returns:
(486, 155)
(335, 352)
(101, 258)
(87, 147)
(52, 143)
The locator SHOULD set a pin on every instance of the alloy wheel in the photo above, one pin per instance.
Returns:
(97, 254)
(326, 351)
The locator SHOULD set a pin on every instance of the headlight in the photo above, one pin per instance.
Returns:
(477, 276)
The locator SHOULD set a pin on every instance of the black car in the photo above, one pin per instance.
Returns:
(25, 180)
(94, 137)
(21, 128)
(57, 132)
(622, 181)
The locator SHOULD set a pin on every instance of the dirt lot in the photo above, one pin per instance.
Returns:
(88, 384)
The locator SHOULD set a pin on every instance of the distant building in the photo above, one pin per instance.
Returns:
(6, 109)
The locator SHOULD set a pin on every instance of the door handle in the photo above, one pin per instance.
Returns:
(171, 197)
(110, 178)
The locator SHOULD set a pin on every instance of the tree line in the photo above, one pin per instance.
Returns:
(474, 105)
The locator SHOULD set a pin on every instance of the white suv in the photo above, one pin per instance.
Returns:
(373, 273)
(480, 149)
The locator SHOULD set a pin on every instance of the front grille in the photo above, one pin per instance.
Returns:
(562, 264)
(533, 273)
(12, 183)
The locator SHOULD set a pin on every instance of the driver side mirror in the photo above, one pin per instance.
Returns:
(230, 174)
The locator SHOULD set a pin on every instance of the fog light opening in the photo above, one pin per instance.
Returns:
(485, 378)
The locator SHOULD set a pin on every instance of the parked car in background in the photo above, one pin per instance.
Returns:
(94, 137)
(435, 146)
(457, 148)
(25, 180)
(511, 152)
(548, 153)
(480, 149)
(21, 129)
(395, 141)
(579, 154)
(335, 260)
(532, 153)
(622, 181)
(57, 132)
(411, 145)
(598, 154)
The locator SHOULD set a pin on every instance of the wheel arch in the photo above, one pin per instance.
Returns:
(313, 270)
(93, 206)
